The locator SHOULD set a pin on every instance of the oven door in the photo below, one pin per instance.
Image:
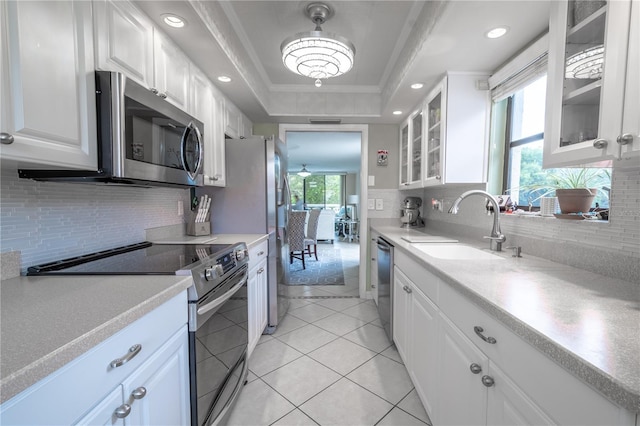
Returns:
(218, 341)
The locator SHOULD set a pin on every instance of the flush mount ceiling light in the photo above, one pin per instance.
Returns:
(496, 32)
(318, 54)
(586, 64)
(417, 86)
(398, 112)
(304, 172)
(224, 79)
(174, 21)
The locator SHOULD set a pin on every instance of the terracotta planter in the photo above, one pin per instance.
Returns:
(576, 200)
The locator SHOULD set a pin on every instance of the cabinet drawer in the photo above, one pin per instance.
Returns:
(427, 282)
(75, 388)
(258, 253)
(564, 397)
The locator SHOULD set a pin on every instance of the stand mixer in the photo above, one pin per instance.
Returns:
(409, 213)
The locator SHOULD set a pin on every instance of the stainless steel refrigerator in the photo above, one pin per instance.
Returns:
(256, 201)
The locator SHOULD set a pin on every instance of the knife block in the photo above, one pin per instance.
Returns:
(197, 229)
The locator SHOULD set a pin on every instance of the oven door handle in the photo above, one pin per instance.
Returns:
(222, 299)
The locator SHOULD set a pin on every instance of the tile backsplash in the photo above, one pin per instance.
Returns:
(48, 221)
(611, 249)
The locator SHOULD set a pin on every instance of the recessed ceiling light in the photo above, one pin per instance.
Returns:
(397, 112)
(224, 79)
(497, 32)
(174, 21)
(417, 86)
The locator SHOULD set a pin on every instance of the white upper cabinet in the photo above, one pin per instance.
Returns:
(589, 82)
(411, 151)
(457, 123)
(205, 106)
(627, 147)
(127, 42)
(47, 84)
(171, 71)
(124, 41)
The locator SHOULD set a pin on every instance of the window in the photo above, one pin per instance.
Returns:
(518, 122)
(527, 182)
(318, 191)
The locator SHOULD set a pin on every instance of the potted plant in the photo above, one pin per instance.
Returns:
(576, 188)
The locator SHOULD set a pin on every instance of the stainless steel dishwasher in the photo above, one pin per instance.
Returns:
(385, 285)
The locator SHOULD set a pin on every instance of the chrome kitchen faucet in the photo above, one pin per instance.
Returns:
(496, 237)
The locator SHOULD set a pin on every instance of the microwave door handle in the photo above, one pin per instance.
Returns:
(183, 150)
(222, 299)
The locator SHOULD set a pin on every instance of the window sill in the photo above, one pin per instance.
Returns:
(537, 215)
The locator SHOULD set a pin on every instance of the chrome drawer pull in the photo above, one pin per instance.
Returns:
(475, 368)
(6, 138)
(139, 393)
(488, 381)
(122, 411)
(133, 351)
(479, 331)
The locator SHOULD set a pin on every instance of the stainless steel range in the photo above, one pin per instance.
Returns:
(218, 335)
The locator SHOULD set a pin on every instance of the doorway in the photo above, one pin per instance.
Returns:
(354, 190)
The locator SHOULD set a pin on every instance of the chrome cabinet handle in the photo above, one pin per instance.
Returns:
(139, 393)
(260, 253)
(261, 270)
(6, 138)
(154, 90)
(489, 339)
(600, 143)
(133, 351)
(407, 289)
(122, 411)
(475, 368)
(624, 139)
(163, 95)
(214, 178)
(488, 381)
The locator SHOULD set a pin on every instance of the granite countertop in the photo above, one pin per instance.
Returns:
(46, 322)
(587, 323)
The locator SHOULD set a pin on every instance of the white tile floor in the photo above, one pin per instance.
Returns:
(328, 363)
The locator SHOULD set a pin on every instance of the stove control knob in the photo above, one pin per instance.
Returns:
(213, 272)
(241, 254)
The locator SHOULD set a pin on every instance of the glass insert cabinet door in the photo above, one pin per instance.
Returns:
(434, 138)
(585, 92)
(416, 148)
(404, 155)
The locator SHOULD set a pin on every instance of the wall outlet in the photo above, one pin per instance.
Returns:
(371, 181)
(379, 204)
(371, 204)
(437, 204)
(180, 208)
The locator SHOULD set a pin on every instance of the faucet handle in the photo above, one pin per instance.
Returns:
(517, 251)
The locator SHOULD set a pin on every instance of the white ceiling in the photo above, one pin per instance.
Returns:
(397, 43)
(324, 151)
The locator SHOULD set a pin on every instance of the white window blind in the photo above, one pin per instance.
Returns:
(530, 64)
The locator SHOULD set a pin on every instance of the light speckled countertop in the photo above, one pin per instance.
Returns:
(46, 322)
(587, 323)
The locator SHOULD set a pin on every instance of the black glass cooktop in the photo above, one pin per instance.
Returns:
(136, 259)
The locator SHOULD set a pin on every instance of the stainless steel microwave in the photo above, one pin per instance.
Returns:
(142, 139)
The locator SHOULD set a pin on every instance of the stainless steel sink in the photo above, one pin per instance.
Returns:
(455, 252)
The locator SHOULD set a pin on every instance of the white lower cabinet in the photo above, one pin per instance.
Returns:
(462, 398)
(153, 382)
(415, 331)
(157, 393)
(257, 293)
(464, 379)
